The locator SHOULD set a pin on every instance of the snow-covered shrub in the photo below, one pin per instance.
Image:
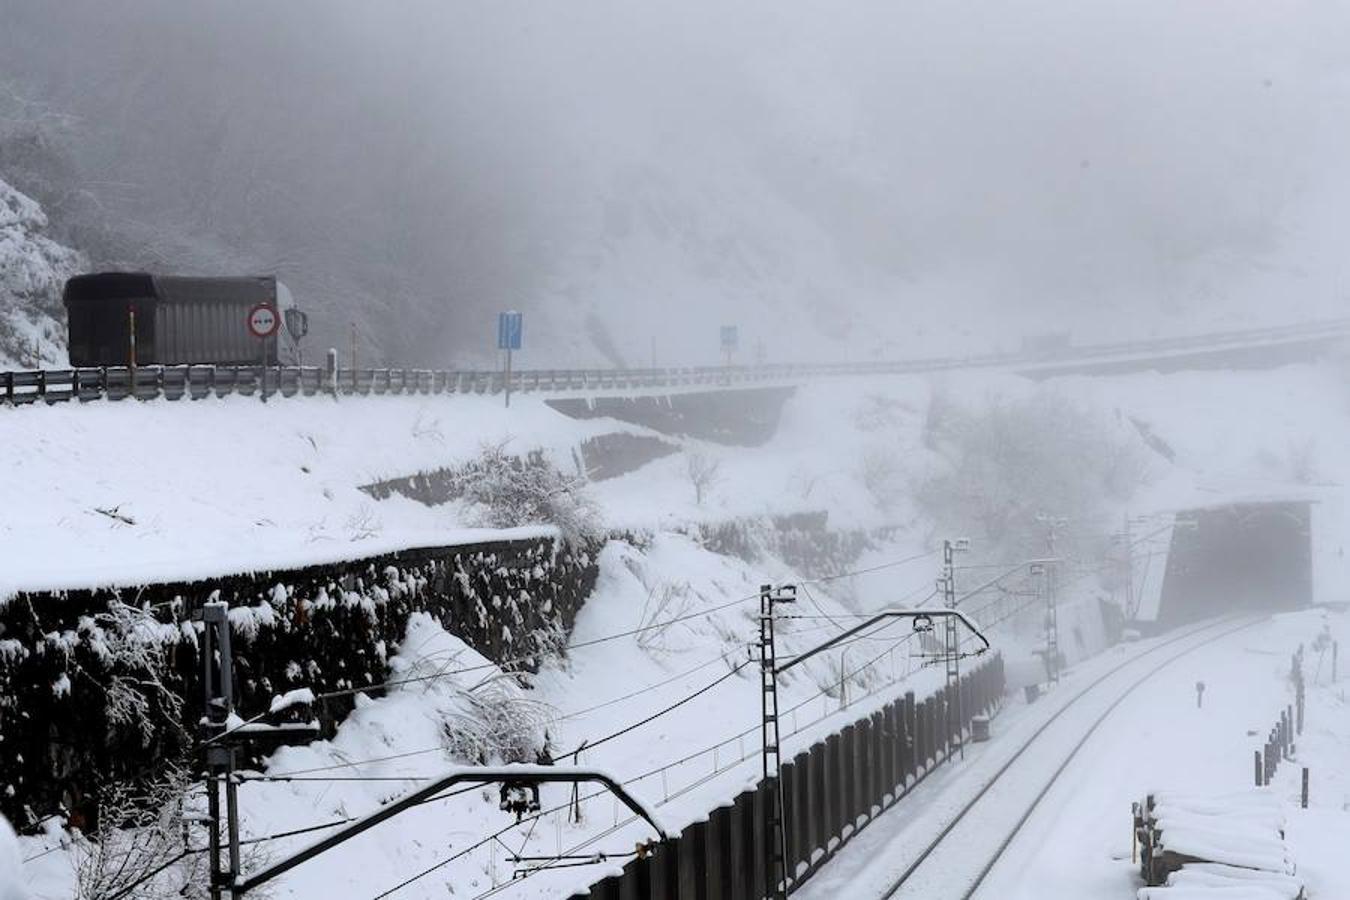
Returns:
(504, 491)
(500, 723)
(147, 844)
(138, 698)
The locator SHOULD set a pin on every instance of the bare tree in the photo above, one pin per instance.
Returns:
(704, 473)
(667, 602)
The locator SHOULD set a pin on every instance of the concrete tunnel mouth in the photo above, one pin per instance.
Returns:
(1239, 557)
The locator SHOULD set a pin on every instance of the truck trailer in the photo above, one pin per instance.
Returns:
(139, 319)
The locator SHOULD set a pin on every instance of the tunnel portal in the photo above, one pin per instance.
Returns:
(1236, 558)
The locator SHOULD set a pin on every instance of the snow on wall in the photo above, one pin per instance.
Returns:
(99, 679)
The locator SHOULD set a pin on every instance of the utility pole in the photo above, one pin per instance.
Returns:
(952, 643)
(776, 855)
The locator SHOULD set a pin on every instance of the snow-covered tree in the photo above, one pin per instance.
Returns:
(33, 270)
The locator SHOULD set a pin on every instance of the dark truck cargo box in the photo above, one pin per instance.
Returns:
(178, 320)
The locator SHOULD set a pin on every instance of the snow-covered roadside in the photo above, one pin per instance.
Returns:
(106, 492)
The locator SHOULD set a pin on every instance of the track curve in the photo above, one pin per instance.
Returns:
(916, 880)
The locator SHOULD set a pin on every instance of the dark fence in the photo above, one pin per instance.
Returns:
(1280, 741)
(196, 382)
(832, 791)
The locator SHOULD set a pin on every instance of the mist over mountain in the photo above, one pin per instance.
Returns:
(866, 179)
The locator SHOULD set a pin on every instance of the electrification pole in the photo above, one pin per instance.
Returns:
(774, 815)
(1129, 571)
(776, 855)
(1052, 525)
(952, 643)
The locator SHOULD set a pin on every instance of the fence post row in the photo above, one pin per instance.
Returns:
(831, 790)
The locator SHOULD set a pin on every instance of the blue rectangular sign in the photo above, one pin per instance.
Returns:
(730, 337)
(509, 328)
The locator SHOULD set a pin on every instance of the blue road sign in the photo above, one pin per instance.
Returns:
(730, 337)
(509, 328)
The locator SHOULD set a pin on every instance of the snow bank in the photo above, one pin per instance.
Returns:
(10, 864)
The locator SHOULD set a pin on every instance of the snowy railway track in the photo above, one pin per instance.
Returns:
(958, 859)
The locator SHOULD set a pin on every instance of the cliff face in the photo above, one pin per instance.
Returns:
(33, 269)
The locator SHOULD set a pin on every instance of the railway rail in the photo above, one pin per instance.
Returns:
(964, 836)
(28, 386)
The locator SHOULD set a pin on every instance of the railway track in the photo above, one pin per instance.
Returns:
(974, 840)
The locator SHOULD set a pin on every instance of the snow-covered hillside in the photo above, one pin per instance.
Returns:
(120, 492)
(33, 270)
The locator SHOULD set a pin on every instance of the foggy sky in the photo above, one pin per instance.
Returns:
(834, 177)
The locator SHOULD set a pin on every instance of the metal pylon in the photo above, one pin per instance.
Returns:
(1051, 624)
(952, 651)
(775, 854)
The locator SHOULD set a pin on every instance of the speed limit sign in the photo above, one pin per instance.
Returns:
(263, 321)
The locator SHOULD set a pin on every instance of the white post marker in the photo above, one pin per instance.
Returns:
(263, 322)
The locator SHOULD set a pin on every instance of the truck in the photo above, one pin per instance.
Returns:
(141, 319)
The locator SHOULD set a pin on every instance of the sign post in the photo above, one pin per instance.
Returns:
(262, 324)
(510, 325)
(730, 341)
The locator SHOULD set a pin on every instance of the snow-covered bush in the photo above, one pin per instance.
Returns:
(137, 697)
(504, 491)
(500, 723)
(147, 845)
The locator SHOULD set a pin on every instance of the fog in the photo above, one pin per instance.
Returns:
(840, 180)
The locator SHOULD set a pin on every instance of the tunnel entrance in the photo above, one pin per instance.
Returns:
(1241, 557)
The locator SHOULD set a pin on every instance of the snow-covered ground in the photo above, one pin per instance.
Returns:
(226, 484)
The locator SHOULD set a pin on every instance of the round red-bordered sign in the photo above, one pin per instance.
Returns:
(263, 321)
